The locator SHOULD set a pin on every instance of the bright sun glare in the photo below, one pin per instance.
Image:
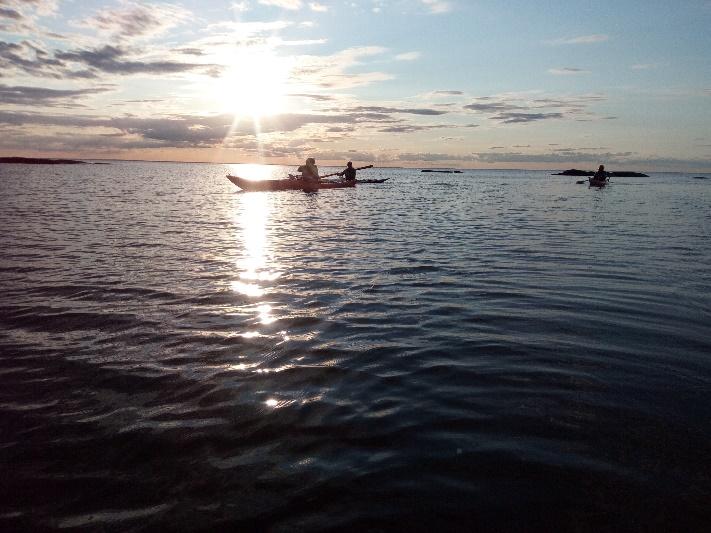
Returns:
(254, 85)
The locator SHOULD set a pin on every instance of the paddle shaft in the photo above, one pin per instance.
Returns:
(334, 174)
(337, 173)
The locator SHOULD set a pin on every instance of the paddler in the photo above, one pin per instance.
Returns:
(309, 170)
(600, 175)
(349, 173)
(309, 173)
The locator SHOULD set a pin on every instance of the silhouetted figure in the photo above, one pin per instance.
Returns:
(309, 170)
(349, 173)
(600, 175)
(309, 173)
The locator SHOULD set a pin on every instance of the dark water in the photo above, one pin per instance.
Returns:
(493, 351)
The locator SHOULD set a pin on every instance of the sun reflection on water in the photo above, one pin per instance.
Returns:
(265, 314)
(256, 270)
(255, 266)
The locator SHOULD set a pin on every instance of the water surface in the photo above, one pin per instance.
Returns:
(502, 350)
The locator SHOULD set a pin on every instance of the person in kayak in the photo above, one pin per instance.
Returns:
(309, 170)
(349, 173)
(600, 175)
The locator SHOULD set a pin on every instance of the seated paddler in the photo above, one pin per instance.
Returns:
(600, 175)
(349, 173)
(309, 170)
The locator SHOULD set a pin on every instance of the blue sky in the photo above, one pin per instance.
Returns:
(490, 84)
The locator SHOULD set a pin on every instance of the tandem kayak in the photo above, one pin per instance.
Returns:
(286, 184)
(373, 181)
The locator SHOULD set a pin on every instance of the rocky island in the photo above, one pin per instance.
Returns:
(442, 171)
(621, 174)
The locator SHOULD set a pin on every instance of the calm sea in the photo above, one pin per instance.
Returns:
(491, 351)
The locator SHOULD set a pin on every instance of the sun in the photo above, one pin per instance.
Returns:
(254, 84)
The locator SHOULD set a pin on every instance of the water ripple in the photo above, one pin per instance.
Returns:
(461, 353)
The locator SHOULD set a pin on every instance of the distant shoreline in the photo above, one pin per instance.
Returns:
(40, 161)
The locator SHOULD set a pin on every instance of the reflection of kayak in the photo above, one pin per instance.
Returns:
(284, 184)
(597, 183)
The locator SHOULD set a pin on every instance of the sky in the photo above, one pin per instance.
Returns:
(413, 83)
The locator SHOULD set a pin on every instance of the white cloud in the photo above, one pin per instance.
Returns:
(39, 7)
(331, 72)
(583, 39)
(643, 66)
(20, 16)
(241, 30)
(240, 7)
(408, 56)
(285, 4)
(567, 71)
(320, 8)
(134, 20)
(437, 6)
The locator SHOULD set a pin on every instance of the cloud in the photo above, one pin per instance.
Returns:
(583, 39)
(331, 72)
(317, 97)
(566, 157)
(239, 7)
(435, 157)
(10, 14)
(30, 58)
(227, 32)
(347, 155)
(517, 108)
(319, 8)
(408, 111)
(567, 71)
(40, 96)
(21, 14)
(569, 102)
(643, 66)
(520, 108)
(437, 6)
(190, 51)
(448, 93)
(113, 60)
(524, 118)
(178, 131)
(408, 56)
(411, 128)
(133, 20)
(284, 4)
(42, 8)
(493, 107)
